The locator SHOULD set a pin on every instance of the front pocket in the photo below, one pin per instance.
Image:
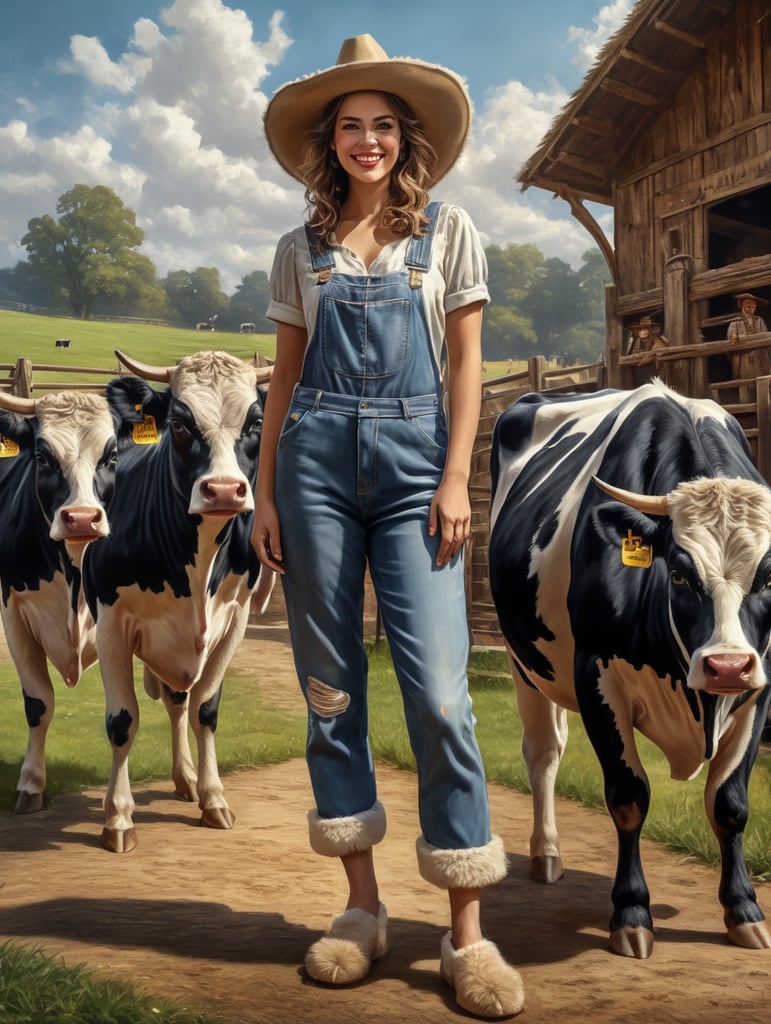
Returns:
(365, 339)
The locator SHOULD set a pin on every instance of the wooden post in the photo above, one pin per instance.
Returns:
(613, 340)
(536, 368)
(23, 378)
(677, 273)
(763, 385)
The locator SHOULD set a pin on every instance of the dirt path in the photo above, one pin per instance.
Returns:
(222, 919)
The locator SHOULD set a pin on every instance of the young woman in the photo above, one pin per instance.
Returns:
(364, 462)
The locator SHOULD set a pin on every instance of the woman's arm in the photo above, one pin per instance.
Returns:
(451, 509)
(266, 535)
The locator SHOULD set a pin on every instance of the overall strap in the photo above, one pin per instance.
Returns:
(418, 258)
(323, 262)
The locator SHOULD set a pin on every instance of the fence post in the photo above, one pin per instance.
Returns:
(22, 384)
(536, 368)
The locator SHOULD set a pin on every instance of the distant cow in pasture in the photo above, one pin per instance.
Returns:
(630, 565)
(172, 583)
(57, 473)
(62, 343)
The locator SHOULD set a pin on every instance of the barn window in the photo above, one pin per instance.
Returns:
(740, 227)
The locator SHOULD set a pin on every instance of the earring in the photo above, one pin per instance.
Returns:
(333, 162)
(402, 154)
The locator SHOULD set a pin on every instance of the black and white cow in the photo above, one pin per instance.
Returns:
(631, 571)
(172, 583)
(57, 473)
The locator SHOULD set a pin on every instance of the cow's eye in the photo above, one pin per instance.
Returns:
(42, 459)
(178, 426)
(679, 579)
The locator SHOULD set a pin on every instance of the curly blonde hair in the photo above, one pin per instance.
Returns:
(327, 186)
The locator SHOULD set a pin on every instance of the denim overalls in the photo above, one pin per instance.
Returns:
(360, 457)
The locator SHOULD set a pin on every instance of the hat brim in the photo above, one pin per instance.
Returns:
(437, 97)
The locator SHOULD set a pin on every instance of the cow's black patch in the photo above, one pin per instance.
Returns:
(118, 727)
(34, 710)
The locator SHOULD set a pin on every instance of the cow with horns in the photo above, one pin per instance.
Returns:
(631, 571)
(57, 474)
(172, 583)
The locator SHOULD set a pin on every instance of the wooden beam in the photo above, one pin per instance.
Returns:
(646, 62)
(581, 164)
(586, 220)
(592, 124)
(629, 92)
(703, 348)
(677, 33)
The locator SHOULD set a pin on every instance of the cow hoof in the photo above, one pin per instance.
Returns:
(119, 840)
(751, 935)
(218, 817)
(546, 869)
(185, 791)
(635, 942)
(28, 803)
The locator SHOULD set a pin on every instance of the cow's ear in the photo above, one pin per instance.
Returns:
(615, 523)
(131, 400)
(17, 428)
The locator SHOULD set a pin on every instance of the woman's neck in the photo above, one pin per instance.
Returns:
(364, 203)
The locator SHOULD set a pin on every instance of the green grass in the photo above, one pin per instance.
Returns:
(28, 336)
(250, 733)
(38, 989)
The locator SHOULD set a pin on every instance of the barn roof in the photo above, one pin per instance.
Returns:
(637, 74)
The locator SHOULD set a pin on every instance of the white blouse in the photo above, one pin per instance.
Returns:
(457, 278)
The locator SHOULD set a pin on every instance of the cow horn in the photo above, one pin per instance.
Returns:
(17, 404)
(650, 504)
(144, 370)
(263, 373)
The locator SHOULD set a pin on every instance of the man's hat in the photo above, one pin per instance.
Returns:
(437, 97)
(748, 295)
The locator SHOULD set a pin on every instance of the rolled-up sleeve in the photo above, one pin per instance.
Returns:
(465, 263)
(286, 304)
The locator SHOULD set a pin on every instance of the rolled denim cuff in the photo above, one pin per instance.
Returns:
(473, 868)
(337, 837)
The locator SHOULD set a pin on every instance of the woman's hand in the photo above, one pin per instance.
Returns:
(266, 535)
(450, 516)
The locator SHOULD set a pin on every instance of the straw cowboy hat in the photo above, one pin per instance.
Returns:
(748, 295)
(437, 97)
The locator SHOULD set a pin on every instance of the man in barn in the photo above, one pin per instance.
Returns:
(755, 363)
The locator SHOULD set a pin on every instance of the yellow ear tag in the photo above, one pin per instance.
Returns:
(8, 448)
(145, 432)
(634, 552)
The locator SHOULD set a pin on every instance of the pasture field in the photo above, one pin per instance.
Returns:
(31, 336)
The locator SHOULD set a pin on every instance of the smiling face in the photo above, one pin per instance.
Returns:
(367, 136)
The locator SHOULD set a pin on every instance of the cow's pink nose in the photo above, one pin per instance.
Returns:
(728, 672)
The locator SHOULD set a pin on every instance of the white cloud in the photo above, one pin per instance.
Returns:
(589, 41)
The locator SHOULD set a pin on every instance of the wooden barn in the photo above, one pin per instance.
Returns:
(671, 129)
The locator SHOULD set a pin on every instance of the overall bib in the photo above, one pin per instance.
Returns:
(361, 454)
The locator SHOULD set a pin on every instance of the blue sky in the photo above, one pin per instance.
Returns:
(162, 100)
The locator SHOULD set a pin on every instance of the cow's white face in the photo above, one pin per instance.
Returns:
(218, 391)
(724, 528)
(75, 455)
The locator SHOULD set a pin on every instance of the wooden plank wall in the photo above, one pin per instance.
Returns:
(712, 142)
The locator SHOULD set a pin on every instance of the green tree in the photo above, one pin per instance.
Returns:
(195, 296)
(249, 302)
(89, 253)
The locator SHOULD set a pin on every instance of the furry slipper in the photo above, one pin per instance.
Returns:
(484, 983)
(346, 952)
